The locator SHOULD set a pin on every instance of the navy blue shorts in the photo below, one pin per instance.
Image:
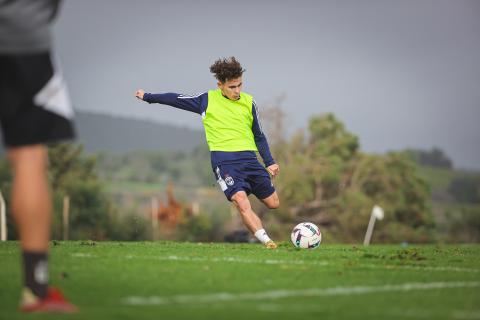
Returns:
(248, 176)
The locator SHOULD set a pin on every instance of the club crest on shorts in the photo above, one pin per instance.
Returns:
(229, 181)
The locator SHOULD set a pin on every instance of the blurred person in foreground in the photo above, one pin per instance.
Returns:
(34, 110)
(234, 133)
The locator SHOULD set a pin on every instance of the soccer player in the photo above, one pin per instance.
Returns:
(234, 134)
(34, 110)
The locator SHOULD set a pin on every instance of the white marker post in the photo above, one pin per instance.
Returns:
(377, 213)
(3, 219)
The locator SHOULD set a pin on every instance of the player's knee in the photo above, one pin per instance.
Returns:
(274, 203)
(240, 200)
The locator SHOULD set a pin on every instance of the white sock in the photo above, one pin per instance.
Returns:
(262, 236)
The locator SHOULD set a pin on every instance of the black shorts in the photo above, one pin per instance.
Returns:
(34, 104)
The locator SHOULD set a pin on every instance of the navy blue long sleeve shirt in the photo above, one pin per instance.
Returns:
(198, 104)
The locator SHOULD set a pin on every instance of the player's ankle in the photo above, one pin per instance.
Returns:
(262, 236)
(36, 272)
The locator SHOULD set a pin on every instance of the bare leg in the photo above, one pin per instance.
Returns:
(251, 220)
(31, 202)
(249, 217)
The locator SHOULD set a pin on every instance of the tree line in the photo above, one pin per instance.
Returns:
(325, 178)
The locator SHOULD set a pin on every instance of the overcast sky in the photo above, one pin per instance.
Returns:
(398, 73)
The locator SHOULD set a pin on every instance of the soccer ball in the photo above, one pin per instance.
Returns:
(306, 235)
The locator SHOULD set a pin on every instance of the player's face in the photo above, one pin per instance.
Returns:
(231, 88)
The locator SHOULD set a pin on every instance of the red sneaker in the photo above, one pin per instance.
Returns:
(54, 302)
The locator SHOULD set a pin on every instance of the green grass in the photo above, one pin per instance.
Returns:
(185, 281)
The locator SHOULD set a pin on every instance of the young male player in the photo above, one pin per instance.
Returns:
(34, 110)
(234, 133)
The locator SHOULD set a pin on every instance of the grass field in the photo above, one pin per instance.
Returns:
(169, 280)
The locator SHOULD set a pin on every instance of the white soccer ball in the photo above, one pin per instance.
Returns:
(306, 235)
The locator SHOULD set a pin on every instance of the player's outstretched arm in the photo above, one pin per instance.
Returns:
(196, 103)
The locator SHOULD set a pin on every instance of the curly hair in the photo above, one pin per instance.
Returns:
(226, 69)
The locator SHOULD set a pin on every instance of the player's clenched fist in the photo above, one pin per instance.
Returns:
(139, 94)
(274, 169)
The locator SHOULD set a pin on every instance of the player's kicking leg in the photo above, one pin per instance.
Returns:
(251, 220)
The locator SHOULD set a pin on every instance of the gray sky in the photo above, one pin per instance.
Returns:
(398, 73)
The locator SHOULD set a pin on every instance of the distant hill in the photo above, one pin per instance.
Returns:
(101, 132)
